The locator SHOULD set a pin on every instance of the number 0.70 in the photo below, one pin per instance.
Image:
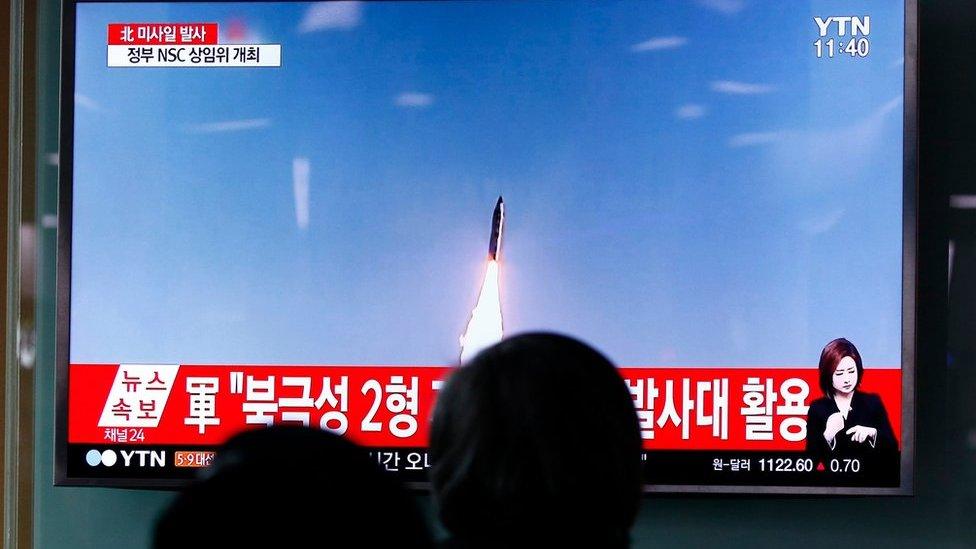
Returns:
(845, 465)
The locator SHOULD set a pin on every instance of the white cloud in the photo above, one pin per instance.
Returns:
(740, 88)
(331, 15)
(229, 125)
(836, 142)
(414, 100)
(812, 160)
(724, 6)
(821, 222)
(87, 102)
(690, 111)
(660, 43)
(755, 138)
(889, 106)
(300, 170)
(796, 165)
(898, 62)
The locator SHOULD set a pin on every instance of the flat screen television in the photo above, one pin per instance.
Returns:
(278, 213)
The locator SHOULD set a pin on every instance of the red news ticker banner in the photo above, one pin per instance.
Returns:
(390, 406)
(147, 34)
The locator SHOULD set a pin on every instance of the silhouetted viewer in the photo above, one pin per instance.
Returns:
(535, 443)
(292, 487)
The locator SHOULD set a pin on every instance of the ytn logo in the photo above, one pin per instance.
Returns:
(847, 23)
(108, 458)
(96, 458)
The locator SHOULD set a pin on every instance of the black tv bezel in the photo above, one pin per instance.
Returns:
(910, 267)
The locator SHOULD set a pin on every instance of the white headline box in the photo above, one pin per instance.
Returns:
(204, 55)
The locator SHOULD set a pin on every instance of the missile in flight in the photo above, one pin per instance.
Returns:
(497, 226)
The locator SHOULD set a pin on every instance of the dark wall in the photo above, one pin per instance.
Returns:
(940, 513)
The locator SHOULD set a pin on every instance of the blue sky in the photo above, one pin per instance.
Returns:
(686, 183)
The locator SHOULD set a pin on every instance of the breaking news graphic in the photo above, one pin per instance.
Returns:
(182, 45)
(314, 212)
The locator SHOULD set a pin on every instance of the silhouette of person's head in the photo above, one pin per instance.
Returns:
(535, 441)
(291, 487)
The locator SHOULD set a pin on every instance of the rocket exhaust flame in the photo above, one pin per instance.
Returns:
(485, 326)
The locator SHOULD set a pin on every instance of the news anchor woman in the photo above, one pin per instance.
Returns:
(846, 421)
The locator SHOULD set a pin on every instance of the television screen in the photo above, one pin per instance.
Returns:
(311, 213)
